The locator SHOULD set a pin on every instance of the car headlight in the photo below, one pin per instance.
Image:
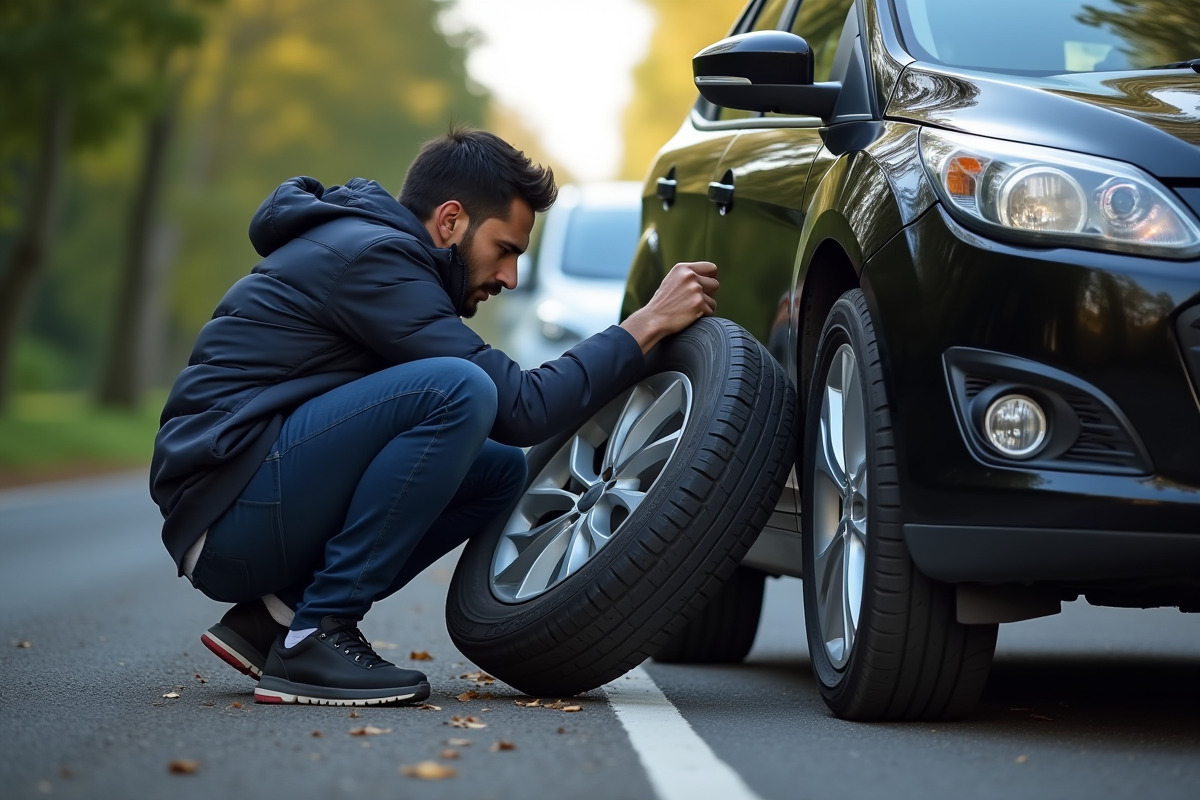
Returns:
(1048, 196)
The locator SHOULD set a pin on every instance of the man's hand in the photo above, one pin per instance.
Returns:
(687, 293)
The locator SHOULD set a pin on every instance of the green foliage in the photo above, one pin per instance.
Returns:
(44, 433)
(275, 88)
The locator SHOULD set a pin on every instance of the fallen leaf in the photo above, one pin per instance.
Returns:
(420, 655)
(561, 730)
(370, 730)
(467, 722)
(1022, 759)
(485, 709)
(66, 772)
(201, 678)
(531, 704)
(208, 704)
(428, 707)
(570, 709)
(503, 744)
(459, 742)
(235, 704)
(449, 754)
(478, 677)
(354, 715)
(385, 646)
(171, 696)
(428, 771)
(1042, 717)
(470, 694)
(317, 734)
(182, 767)
(23, 645)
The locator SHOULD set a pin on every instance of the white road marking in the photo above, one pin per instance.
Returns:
(679, 764)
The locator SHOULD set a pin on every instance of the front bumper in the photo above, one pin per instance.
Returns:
(1104, 330)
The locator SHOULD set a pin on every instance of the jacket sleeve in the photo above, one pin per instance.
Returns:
(389, 299)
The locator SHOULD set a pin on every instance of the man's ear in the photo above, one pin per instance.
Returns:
(448, 224)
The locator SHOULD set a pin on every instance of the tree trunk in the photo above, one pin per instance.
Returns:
(32, 242)
(130, 351)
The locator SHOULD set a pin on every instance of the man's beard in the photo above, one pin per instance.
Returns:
(466, 251)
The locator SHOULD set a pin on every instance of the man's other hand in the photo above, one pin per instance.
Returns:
(687, 293)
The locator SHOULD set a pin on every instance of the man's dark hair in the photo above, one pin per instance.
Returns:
(479, 170)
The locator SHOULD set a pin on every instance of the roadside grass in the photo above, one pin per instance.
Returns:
(46, 436)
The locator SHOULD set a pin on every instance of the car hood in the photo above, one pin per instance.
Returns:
(1151, 119)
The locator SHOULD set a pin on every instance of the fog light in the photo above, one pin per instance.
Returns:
(1015, 425)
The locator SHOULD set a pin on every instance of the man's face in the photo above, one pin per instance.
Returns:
(490, 249)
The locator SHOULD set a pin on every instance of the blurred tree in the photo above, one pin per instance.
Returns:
(62, 89)
(663, 88)
(292, 87)
(162, 31)
(275, 89)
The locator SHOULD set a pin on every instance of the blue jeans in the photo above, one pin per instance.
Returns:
(366, 486)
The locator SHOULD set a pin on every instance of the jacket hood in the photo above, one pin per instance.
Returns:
(1146, 118)
(302, 203)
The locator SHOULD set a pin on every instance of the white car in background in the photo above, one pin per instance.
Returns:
(574, 282)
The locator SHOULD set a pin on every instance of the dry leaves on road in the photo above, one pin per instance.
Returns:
(503, 744)
(420, 655)
(449, 754)
(459, 742)
(24, 645)
(369, 730)
(428, 707)
(481, 678)
(467, 722)
(428, 771)
(171, 696)
(182, 767)
(557, 705)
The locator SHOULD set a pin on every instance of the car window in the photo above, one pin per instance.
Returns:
(1069, 35)
(820, 23)
(600, 242)
(767, 20)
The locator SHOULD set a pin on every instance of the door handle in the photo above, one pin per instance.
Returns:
(721, 193)
(665, 189)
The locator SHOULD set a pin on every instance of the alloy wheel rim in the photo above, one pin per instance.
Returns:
(591, 486)
(840, 503)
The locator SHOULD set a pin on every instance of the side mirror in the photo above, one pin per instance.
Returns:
(763, 71)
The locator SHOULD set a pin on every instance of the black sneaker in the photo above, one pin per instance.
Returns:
(335, 666)
(243, 637)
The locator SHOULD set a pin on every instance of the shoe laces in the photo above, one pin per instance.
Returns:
(350, 641)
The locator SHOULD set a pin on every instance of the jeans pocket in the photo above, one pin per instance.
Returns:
(244, 553)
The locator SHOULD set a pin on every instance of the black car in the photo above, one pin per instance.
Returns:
(967, 233)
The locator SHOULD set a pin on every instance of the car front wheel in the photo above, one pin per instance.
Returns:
(884, 640)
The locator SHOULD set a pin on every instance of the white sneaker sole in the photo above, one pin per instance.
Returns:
(284, 698)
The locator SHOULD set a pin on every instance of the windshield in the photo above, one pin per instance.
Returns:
(600, 241)
(1047, 37)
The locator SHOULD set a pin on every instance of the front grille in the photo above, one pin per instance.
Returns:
(1102, 439)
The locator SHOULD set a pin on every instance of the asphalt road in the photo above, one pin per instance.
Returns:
(1091, 703)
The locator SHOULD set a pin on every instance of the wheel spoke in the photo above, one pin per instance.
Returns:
(657, 452)
(629, 499)
(540, 501)
(582, 460)
(648, 425)
(830, 458)
(849, 606)
(854, 419)
(639, 398)
(830, 600)
(580, 549)
(534, 567)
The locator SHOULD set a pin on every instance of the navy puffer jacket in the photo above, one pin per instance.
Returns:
(350, 283)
